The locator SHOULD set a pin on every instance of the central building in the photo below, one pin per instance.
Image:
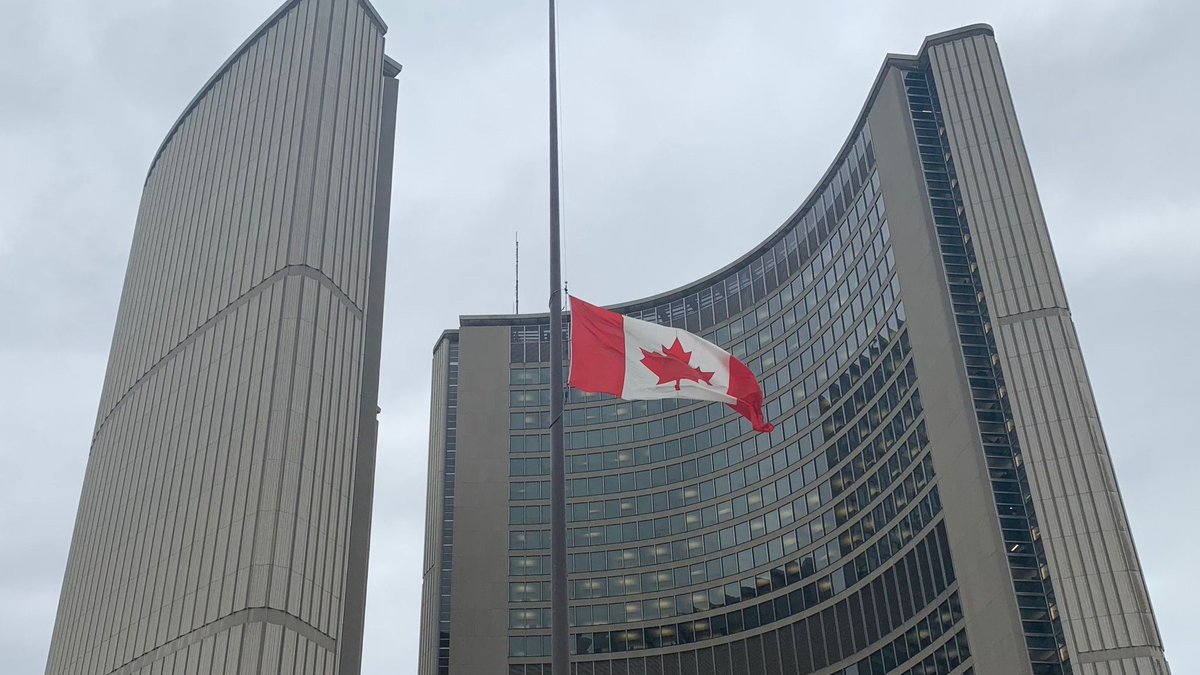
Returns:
(937, 496)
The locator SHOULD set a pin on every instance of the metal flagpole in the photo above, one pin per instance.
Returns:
(559, 633)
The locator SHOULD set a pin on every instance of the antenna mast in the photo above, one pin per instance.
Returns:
(517, 274)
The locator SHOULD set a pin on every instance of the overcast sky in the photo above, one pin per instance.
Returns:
(691, 127)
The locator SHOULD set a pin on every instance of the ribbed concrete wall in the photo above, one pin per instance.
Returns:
(214, 527)
(1106, 609)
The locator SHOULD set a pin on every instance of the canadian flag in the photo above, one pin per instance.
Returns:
(633, 359)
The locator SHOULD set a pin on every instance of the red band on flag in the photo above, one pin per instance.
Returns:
(597, 349)
(744, 387)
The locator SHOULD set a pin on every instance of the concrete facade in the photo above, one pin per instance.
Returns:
(1109, 623)
(936, 497)
(224, 521)
(958, 456)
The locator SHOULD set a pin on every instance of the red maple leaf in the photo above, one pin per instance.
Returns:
(674, 365)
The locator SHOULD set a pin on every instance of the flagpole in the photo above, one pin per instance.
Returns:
(559, 633)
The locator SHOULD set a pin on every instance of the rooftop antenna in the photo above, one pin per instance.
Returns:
(517, 274)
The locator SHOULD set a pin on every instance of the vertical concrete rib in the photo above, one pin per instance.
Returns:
(215, 531)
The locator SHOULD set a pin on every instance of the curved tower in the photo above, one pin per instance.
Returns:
(225, 516)
(936, 497)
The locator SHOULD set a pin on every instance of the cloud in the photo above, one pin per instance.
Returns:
(692, 122)
(1157, 242)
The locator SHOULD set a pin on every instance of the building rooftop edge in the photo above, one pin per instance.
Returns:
(446, 335)
(889, 61)
(374, 14)
(955, 34)
(391, 67)
(225, 65)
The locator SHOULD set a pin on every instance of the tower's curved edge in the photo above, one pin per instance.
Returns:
(224, 519)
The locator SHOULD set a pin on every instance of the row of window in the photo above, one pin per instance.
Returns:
(930, 647)
(883, 361)
(780, 578)
(676, 550)
(888, 325)
(768, 580)
(713, 542)
(789, 344)
(535, 490)
(665, 552)
(524, 490)
(893, 658)
(680, 523)
(690, 444)
(901, 592)
(703, 465)
(934, 645)
(765, 553)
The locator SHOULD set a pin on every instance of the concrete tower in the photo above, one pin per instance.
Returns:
(224, 523)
